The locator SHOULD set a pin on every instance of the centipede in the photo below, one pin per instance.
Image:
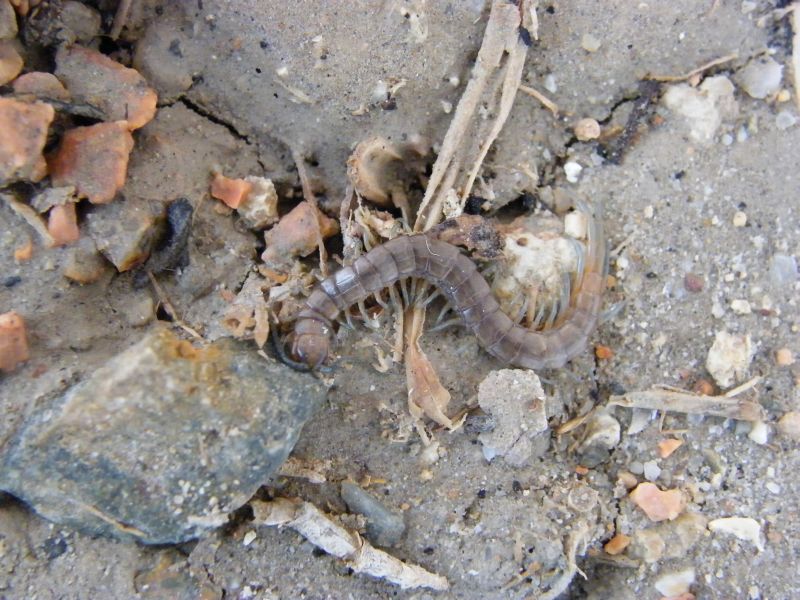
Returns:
(463, 286)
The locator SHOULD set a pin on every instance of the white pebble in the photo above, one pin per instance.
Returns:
(784, 120)
(675, 584)
(739, 219)
(550, 83)
(727, 139)
(761, 77)
(782, 270)
(741, 307)
(744, 528)
(773, 487)
(572, 171)
(651, 470)
(249, 538)
(759, 433)
(590, 43)
(649, 211)
(576, 225)
(729, 358)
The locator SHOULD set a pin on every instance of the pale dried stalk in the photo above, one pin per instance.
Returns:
(546, 102)
(31, 217)
(309, 197)
(796, 52)
(502, 27)
(325, 533)
(712, 63)
(689, 403)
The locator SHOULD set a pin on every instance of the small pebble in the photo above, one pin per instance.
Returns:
(572, 171)
(744, 528)
(759, 433)
(668, 446)
(249, 538)
(649, 211)
(550, 83)
(675, 584)
(729, 358)
(587, 129)
(784, 357)
(789, 425)
(10, 62)
(782, 270)
(8, 21)
(627, 479)
(693, 283)
(651, 470)
(13, 341)
(785, 119)
(773, 487)
(739, 219)
(658, 505)
(603, 352)
(617, 544)
(741, 307)
(230, 191)
(590, 43)
(760, 77)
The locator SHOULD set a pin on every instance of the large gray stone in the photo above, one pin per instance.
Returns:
(161, 442)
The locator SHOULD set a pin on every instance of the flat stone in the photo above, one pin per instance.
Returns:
(384, 527)
(94, 159)
(8, 21)
(43, 85)
(161, 442)
(10, 62)
(24, 126)
(123, 231)
(121, 93)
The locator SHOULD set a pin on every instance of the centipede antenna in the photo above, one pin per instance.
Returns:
(445, 324)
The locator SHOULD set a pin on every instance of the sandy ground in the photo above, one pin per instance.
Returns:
(670, 208)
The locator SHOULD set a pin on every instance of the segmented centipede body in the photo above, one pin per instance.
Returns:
(460, 282)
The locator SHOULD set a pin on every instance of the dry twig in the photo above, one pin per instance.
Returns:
(327, 534)
(309, 197)
(546, 102)
(693, 72)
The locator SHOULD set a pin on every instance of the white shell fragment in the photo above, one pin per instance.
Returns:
(744, 528)
(573, 171)
(703, 108)
(729, 358)
(676, 583)
(761, 77)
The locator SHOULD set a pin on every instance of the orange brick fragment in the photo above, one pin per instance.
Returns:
(658, 505)
(62, 223)
(603, 352)
(617, 544)
(668, 446)
(231, 191)
(121, 93)
(24, 128)
(94, 159)
(705, 387)
(24, 252)
(581, 470)
(296, 234)
(13, 341)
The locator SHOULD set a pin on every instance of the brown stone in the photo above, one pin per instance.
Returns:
(62, 223)
(43, 85)
(13, 341)
(24, 126)
(121, 93)
(10, 62)
(94, 159)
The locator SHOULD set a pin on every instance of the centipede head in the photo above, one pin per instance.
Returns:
(310, 349)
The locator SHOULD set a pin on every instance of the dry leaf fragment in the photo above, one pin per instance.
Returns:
(617, 544)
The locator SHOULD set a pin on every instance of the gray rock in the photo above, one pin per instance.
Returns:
(161, 442)
(8, 21)
(761, 77)
(384, 527)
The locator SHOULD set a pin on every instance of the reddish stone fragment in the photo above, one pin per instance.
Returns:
(121, 93)
(13, 341)
(658, 505)
(93, 159)
(296, 235)
(62, 223)
(44, 85)
(24, 133)
(231, 191)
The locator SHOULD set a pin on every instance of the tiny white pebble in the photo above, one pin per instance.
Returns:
(550, 83)
(249, 538)
(651, 470)
(590, 43)
(784, 120)
(773, 487)
(454, 81)
(759, 433)
(572, 171)
(727, 139)
(282, 71)
(739, 219)
(447, 107)
(649, 211)
(741, 307)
